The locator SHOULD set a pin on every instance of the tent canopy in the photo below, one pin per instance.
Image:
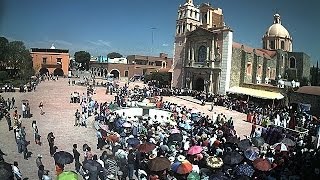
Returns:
(256, 93)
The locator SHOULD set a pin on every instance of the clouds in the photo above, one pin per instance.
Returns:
(165, 45)
(101, 43)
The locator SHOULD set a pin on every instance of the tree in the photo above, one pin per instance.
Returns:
(3, 50)
(83, 58)
(161, 79)
(114, 55)
(3, 75)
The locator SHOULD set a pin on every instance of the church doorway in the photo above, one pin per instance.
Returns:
(199, 84)
(116, 73)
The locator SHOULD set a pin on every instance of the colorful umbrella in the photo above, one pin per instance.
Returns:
(113, 138)
(68, 175)
(193, 176)
(126, 125)
(63, 157)
(262, 164)
(280, 147)
(244, 144)
(174, 131)
(257, 141)
(146, 147)
(214, 162)
(244, 170)
(133, 141)
(288, 142)
(182, 167)
(195, 150)
(232, 158)
(159, 164)
(252, 153)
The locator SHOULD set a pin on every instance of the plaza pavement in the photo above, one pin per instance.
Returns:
(59, 119)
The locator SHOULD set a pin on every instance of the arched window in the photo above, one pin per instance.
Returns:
(292, 62)
(202, 54)
(282, 45)
(271, 44)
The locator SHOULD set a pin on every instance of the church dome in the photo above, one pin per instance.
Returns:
(276, 29)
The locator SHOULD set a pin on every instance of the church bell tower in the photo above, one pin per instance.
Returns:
(188, 20)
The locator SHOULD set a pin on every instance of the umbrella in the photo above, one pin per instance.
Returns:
(244, 170)
(244, 144)
(288, 142)
(219, 176)
(252, 153)
(195, 150)
(257, 141)
(280, 147)
(25, 101)
(159, 164)
(175, 137)
(126, 125)
(214, 162)
(104, 127)
(174, 131)
(6, 172)
(193, 176)
(232, 158)
(121, 154)
(92, 165)
(181, 167)
(233, 139)
(63, 157)
(187, 126)
(133, 141)
(146, 147)
(114, 138)
(262, 164)
(68, 175)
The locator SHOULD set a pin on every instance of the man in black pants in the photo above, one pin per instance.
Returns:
(76, 156)
(50, 139)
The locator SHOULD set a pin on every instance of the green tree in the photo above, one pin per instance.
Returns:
(114, 55)
(161, 79)
(3, 50)
(3, 75)
(83, 58)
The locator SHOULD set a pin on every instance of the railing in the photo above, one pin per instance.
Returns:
(206, 64)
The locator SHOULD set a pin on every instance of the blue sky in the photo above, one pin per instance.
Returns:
(103, 26)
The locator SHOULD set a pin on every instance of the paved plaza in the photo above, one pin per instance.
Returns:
(59, 119)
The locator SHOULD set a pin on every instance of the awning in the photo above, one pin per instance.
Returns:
(256, 93)
(170, 70)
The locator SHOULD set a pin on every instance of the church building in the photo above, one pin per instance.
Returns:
(207, 59)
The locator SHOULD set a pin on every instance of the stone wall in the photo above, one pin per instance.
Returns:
(236, 67)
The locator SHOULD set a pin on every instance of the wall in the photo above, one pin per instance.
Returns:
(37, 60)
(236, 68)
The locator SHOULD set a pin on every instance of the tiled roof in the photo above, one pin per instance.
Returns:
(313, 90)
(260, 52)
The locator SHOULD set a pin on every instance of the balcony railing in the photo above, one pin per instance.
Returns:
(206, 64)
(51, 65)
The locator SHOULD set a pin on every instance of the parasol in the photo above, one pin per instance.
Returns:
(63, 157)
(159, 164)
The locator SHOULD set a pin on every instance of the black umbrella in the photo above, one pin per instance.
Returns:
(257, 141)
(6, 172)
(232, 158)
(63, 157)
(233, 139)
(175, 137)
(244, 144)
(92, 165)
(133, 141)
(218, 176)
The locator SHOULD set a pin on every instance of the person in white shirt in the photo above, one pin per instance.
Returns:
(16, 171)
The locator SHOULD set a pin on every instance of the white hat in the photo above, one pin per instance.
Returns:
(39, 155)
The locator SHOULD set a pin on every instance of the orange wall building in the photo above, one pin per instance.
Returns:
(52, 61)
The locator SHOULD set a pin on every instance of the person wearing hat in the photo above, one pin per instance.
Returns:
(38, 160)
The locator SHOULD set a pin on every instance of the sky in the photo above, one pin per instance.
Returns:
(128, 26)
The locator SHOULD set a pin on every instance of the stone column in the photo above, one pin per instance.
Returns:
(208, 53)
(189, 52)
